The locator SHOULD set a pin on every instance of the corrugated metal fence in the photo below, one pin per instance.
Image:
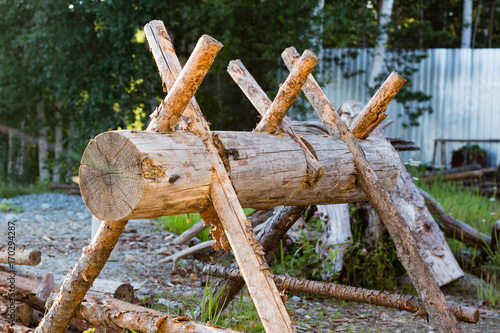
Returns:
(465, 89)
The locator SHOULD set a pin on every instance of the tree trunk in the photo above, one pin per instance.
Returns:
(43, 168)
(380, 43)
(21, 156)
(407, 248)
(490, 26)
(56, 176)
(352, 294)
(10, 153)
(466, 24)
(335, 238)
(164, 174)
(476, 22)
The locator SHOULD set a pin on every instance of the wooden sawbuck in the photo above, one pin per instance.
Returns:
(178, 165)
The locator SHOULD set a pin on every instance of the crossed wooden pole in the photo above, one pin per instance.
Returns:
(180, 108)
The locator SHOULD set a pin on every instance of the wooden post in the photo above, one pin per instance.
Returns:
(288, 93)
(434, 154)
(262, 103)
(373, 113)
(443, 154)
(407, 249)
(238, 229)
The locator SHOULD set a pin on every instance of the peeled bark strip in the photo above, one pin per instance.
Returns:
(262, 103)
(454, 228)
(352, 294)
(269, 238)
(28, 257)
(129, 175)
(270, 308)
(288, 93)
(81, 277)
(112, 312)
(166, 116)
(373, 112)
(407, 248)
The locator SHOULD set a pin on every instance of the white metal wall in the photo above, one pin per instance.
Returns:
(465, 89)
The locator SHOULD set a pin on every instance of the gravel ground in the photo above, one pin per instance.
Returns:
(59, 225)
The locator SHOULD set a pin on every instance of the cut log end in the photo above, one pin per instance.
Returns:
(113, 174)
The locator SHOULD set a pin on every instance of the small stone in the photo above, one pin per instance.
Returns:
(300, 312)
(295, 299)
(45, 206)
(193, 276)
(129, 258)
(307, 316)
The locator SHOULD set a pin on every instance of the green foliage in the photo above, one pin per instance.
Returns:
(301, 259)
(12, 189)
(209, 306)
(180, 223)
(7, 207)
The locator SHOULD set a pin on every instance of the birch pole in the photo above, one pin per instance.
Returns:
(407, 248)
(247, 250)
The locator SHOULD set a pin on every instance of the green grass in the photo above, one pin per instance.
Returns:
(12, 189)
(466, 205)
(182, 222)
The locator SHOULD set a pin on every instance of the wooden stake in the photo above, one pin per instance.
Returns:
(407, 249)
(28, 257)
(373, 113)
(238, 229)
(166, 116)
(288, 93)
(262, 103)
(352, 294)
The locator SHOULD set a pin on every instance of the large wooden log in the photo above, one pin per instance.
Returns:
(130, 175)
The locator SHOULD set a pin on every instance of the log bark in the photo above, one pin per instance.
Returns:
(268, 303)
(131, 175)
(408, 251)
(460, 175)
(454, 228)
(262, 103)
(112, 312)
(269, 238)
(373, 113)
(288, 93)
(120, 290)
(166, 116)
(5, 327)
(352, 294)
(433, 246)
(81, 277)
(28, 257)
(23, 313)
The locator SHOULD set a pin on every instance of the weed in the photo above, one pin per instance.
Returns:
(488, 291)
(12, 189)
(209, 308)
(6, 207)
